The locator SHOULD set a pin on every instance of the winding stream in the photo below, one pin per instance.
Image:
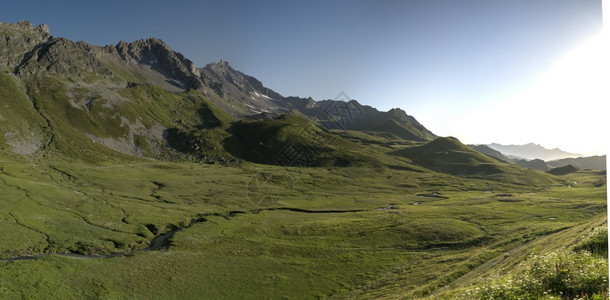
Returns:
(161, 242)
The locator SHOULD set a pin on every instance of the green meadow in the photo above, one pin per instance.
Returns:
(269, 232)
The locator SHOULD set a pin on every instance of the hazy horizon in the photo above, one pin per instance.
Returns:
(510, 72)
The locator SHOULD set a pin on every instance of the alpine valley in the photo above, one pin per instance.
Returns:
(126, 172)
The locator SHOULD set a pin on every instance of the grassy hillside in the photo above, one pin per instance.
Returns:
(47, 114)
(404, 130)
(449, 155)
(563, 170)
(22, 129)
(291, 140)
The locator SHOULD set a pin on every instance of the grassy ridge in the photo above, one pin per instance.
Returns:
(294, 141)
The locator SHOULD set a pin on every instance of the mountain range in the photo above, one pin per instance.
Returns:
(597, 162)
(143, 99)
(532, 151)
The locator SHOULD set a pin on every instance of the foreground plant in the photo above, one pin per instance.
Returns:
(565, 274)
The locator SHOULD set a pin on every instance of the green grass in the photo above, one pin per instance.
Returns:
(19, 118)
(291, 140)
(577, 273)
(260, 250)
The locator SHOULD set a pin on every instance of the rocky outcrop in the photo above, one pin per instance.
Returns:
(27, 49)
(18, 39)
(238, 93)
(155, 54)
(62, 56)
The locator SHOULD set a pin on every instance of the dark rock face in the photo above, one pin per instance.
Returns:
(351, 115)
(156, 55)
(19, 39)
(222, 71)
(27, 49)
(61, 56)
(236, 92)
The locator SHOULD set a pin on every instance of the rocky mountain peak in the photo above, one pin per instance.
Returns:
(44, 28)
(20, 38)
(229, 83)
(397, 112)
(222, 67)
(155, 54)
(401, 115)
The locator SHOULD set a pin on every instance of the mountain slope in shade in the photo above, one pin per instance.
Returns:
(564, 170)
(536, 164)
(449, 155)
(532, 151)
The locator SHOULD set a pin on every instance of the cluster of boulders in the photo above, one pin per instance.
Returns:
(221, 160)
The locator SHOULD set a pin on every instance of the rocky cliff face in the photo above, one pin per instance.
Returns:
(225, 85)
(155, 54)
(27, 50)
(351, 115)
(20, 38)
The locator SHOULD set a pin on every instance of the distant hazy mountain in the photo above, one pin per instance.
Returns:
(532, 151)
(590, 162)
(491, 152)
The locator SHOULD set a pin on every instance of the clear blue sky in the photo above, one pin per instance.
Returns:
(436, 59)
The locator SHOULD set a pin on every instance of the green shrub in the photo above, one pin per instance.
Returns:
(562, 274)
(596, 242)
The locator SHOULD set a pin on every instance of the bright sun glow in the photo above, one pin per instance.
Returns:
(566, 107)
